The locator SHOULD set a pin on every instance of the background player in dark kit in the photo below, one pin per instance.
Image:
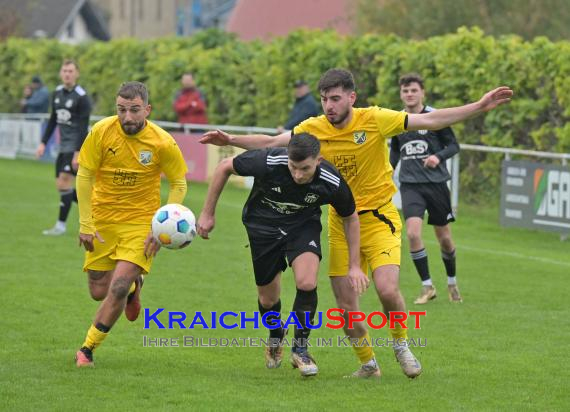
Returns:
(71, 108)
(423, 176)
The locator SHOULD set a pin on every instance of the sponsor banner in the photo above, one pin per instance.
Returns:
(218, 153)
(195, 154)
(535, 196)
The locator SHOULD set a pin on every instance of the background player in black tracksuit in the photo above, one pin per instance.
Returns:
(71, 108)
(282, 218)
(423, 176)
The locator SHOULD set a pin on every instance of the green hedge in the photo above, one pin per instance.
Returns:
(251, 83)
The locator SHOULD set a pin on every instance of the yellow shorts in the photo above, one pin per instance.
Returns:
(122, 242)
(380, 240)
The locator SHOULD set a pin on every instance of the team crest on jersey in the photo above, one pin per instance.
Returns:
(145, 157)
(311, 198)
(68, 103)
(359, 137)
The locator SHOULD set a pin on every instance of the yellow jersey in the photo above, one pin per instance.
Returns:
(128, 169)
(360, 151)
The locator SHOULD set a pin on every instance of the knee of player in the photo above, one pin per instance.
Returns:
(98, 284)
(268, 301)
(388, 293)
(306, 284)
(64, 184)
(446, 243)
(413, 235)
(120, 288)
(97, 294)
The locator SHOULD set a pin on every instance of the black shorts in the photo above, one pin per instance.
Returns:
(63, 164)
(433, 197)
(268, 253)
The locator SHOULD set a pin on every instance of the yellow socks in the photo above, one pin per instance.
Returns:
(398, 332)
(364, 349)
(95, 336)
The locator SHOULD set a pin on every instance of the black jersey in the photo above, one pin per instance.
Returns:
(70, 111)
(411, 148)
(277, 204)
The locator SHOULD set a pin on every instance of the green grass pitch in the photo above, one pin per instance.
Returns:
(504, 348)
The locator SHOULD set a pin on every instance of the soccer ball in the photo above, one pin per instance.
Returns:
(174, 226)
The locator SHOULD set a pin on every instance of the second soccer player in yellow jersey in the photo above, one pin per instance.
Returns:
(118, 187)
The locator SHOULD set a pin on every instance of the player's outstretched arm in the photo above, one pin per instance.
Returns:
(357, 278)
(248, 142)
(206, 221)
(438, 119)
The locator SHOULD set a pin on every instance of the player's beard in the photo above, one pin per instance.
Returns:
(339, 118)
(132, 128)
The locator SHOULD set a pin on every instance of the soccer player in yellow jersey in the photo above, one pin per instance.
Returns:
(355, 141)
(118, 186)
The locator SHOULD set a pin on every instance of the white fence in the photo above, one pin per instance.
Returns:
(20, 134)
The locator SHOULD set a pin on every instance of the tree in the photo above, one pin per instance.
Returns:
(422, 19)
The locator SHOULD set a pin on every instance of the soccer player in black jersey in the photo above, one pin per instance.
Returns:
(423, 176)
(71, 108)
(282, 219)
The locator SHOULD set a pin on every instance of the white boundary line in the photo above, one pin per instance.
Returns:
(506, 253)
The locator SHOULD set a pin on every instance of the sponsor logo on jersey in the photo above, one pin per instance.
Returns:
(282, 207)
(422, 132)
(359, 137)
(69, 103)
(311, 198)
(415, 147)
(313, 243)
(276, 189)
(145, 157)
(63, 116)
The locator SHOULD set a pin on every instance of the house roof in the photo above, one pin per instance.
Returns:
(263, 19)
(49, 18)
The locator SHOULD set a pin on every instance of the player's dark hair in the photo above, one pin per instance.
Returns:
(409, 78)
(132, 90)
(67, 62)
(336, 78)
(302, 146)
